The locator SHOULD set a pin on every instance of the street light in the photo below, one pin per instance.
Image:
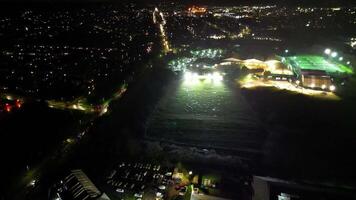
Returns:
(332, 88)
(334, 54)
(327, 51)
(286, 51)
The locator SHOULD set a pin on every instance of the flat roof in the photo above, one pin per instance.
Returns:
(313, 62)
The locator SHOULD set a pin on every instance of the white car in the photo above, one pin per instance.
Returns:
(138, 195)
(119, 190)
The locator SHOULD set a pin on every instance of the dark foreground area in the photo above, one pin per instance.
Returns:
(298, 138)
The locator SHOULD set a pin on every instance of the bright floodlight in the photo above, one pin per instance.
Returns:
(286, 51)
(332, 88)
(188, 75)
(341, 58)
(327, 51)
(334, 54)
(217, 77)
(33, 182)
(190, 172)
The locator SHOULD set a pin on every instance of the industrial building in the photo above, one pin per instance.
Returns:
(78, 186)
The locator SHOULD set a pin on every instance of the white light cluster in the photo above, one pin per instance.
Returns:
(193, 76)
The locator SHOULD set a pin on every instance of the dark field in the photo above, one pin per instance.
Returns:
(277, 133)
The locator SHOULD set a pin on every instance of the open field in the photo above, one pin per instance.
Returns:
(311, 62)
(207, 115)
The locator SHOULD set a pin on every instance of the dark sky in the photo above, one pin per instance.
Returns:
(214, 2)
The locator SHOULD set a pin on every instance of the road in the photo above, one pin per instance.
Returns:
(162, 23)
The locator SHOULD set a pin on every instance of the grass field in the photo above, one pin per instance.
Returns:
(317, 63)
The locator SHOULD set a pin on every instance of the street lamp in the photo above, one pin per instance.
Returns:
(327, 51)
(334, 54)
(332, 88)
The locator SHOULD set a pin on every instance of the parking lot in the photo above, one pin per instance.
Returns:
(139, 181)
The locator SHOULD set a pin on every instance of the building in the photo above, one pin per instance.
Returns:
(196, 10)
(318, 79)
(268, 188)
(78, 186)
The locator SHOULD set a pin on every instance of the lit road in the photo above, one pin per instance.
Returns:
(81, 104)
(162, 22)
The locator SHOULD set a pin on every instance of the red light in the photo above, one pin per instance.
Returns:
(8, 107)
(18, 103)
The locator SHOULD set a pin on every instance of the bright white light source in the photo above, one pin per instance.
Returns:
(341, 58)
(312, 85)
(323, 86)
(105, 110)
(334, 54)
(348, 62)
(33, 182)
(188, 75)
(327, 51)
(332, 88)
(286, 51)
(158, 194)
(190, 172)
(216, 77)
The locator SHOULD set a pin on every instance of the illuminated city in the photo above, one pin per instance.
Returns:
(170, 100)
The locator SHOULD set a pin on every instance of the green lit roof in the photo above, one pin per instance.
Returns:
(312, 62)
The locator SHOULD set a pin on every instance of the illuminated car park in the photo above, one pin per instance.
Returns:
(137, 180)
(182, 63)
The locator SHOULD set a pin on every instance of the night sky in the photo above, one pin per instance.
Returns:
(211, 2)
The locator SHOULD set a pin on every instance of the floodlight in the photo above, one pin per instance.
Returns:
(332, 88)
(327, 51)
(334, 54)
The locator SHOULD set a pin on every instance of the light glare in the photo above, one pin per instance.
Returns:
(334, 54)
(327, 51)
